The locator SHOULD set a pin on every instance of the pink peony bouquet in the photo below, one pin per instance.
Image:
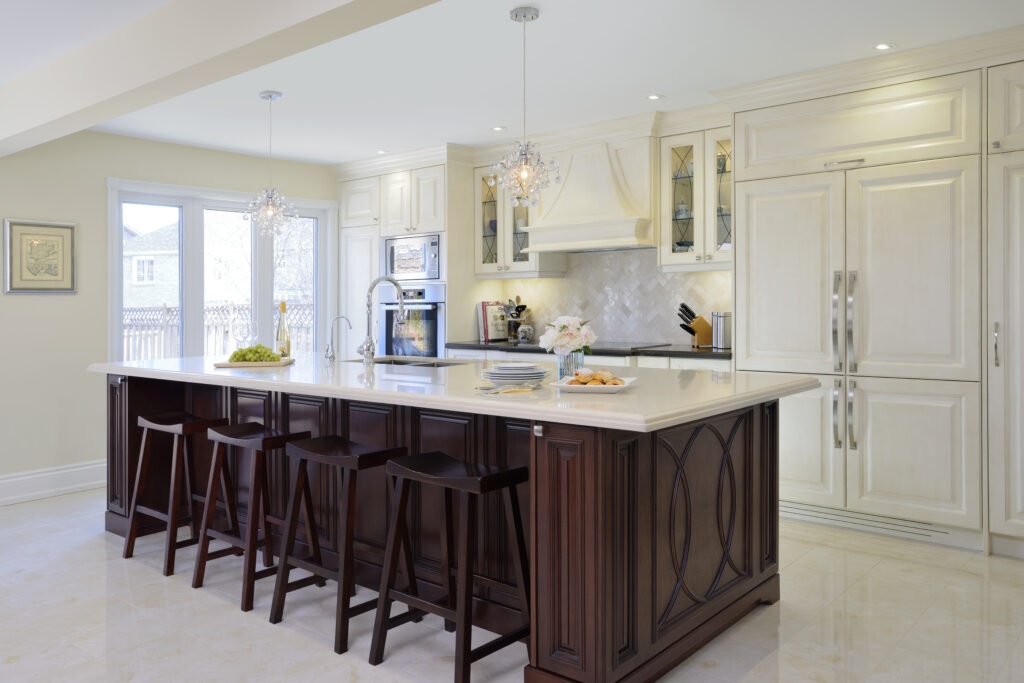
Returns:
(567, 334)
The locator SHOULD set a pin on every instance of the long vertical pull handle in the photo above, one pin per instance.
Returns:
(850, 419)
(837, 439)
(995, 345)
(851, 353)
(837, 281)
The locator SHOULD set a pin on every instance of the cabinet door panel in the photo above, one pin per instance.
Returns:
(926, 119)
(489, 217)
(789, 250)
(395, 202)
(913, 236)
(914, 450)
(1006, 108)
(428, 199)
(360, 265)
(682, 189)
(360, 202)
(812, 430)
(718, 205)
(1006, 368)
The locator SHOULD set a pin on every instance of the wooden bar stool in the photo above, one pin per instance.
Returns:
(259, 439)
(348, 459)
(182, 426)
(471, 481)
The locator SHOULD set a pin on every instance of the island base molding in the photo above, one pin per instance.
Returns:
(642, 546)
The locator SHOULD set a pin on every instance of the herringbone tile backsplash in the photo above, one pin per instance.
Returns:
(625, 296)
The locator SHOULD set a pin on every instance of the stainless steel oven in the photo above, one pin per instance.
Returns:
(423, 331)
(413, 258)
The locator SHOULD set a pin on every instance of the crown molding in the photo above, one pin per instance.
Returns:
(962, 54)
(447, 153)
(693, 119)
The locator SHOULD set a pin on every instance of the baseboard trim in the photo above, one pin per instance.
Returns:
(52, 481)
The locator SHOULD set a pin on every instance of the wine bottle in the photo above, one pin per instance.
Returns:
(283, 343)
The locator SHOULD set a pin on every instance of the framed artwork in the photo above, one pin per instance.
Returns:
(39, 257)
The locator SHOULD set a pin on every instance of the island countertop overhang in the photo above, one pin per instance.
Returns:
(661, 398)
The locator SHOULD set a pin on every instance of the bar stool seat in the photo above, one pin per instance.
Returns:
(348, 459)
(182, 426)
(258, 438)
(471, 481)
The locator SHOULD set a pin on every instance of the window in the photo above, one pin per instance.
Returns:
(197, 278)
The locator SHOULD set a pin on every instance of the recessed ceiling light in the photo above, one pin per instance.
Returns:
(497, 129)
(382, 151)
(882, 47)
(654, 96)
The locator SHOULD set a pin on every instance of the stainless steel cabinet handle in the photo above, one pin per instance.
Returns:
(851, 352)
(837, 281)
(995, 335)
(837, 440)
(697, 257)
(996, 145)
(708, 257)
(850, 419)
(833, 164)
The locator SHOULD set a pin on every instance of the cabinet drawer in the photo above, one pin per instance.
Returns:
(657, 362)
(699, 364)
(926, 119)
(468, 354)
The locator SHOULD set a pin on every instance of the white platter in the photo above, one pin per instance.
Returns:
(562, 385)
(514, 366)
(255, 364)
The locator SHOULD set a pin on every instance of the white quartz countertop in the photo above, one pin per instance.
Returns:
(659, 398)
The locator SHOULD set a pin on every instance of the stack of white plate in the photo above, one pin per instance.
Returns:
(514, 373)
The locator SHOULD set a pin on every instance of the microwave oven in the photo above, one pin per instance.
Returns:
(413, 258)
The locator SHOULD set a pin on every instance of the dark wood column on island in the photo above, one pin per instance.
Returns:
(652, 518)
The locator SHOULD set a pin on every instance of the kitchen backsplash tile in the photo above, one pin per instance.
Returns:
(625, 296)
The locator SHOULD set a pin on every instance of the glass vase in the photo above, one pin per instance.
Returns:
(569, 364)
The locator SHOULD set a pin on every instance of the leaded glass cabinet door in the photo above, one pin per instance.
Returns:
(682, 199)
(489, 214)
(718, 223)
(517, 218)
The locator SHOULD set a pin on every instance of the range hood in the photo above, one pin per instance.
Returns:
(605, 200)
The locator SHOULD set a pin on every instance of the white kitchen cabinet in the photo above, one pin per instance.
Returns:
(594, 362)
(924, 119)
(1005, 343)
(1006, 108)
(359, 267)
(812, 430)
(656, 362)
(913, 270)
(789, 274)
(913, 449)
(718, 193)
(699, 364)
(428, 200)
(500, 238)
(360, 202)
(395, 203)
(468, 354)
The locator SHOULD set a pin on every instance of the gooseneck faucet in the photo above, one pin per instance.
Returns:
(366, 349)
(329, 351)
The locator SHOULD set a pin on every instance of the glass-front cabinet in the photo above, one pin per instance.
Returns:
(501, 237)
(696, 199)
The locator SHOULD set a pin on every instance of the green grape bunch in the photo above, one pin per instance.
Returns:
(255, 354)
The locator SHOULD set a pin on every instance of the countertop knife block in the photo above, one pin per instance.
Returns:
(703, 329)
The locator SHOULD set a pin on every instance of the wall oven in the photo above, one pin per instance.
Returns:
(423, 331)
(413, 258)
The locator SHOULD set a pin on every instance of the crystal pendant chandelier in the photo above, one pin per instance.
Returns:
(270, 209)
(522, 173)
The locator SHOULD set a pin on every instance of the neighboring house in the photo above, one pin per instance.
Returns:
(150, 267)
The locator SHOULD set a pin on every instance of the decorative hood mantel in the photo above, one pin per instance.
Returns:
(605, 201)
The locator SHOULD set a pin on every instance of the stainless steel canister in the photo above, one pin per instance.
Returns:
(721, 329)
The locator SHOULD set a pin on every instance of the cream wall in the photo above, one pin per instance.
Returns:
(52, 412)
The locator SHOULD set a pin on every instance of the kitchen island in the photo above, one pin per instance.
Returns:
(652, 513)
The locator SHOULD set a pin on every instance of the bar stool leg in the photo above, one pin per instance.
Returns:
(346, 526)
(288, 545)
(252, 530)
(312, 539)
(140, 480)
(173, 502)
(388, 570)
(268, 547)
(464, 598)
(520, 565)
(217, 475)
(190, 490)
(447, 547)
(227, 485)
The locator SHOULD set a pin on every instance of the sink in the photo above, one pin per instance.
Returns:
(437, 364)
(418, 362)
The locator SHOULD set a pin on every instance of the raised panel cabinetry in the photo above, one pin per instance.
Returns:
(360, 202)
(926, 119)
(395, 203)
(1006, 108)
(428, 200)
(359, 266)
(811, 435)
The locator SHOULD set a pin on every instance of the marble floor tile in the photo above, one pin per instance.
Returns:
(854, 607)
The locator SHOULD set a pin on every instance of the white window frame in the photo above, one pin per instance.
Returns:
(193, 201)
(144, 258)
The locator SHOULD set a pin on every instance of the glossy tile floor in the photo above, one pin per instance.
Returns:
(854, 607)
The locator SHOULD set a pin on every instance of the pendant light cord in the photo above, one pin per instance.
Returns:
(270, 142)
(524, 82)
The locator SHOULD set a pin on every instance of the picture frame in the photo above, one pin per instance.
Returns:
(39, 257)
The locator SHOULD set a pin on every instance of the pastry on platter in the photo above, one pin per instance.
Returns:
(584, 375)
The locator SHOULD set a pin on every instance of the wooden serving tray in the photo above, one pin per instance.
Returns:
(257, 364)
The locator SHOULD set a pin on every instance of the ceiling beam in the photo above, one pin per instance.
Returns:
(179, 47)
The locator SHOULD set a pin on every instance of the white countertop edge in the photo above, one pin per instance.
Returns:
(481, 405)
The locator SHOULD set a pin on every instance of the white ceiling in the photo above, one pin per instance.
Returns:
(451, 71)
(38, 31)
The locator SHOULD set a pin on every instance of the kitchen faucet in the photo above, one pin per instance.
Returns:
(329, 351)
(366, 349)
